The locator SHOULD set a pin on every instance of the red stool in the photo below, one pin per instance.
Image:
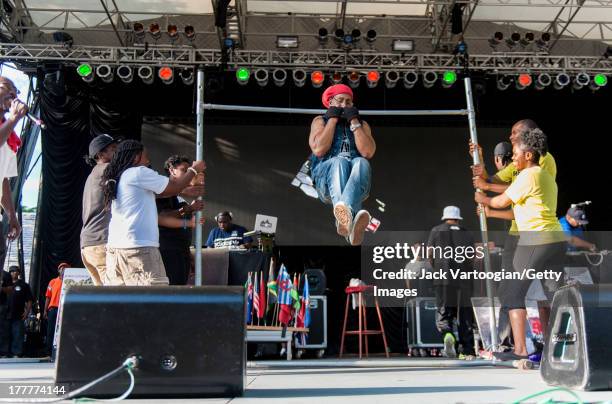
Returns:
(363, 322)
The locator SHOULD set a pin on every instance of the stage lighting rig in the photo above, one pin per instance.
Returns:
(146, 74)
(187, 76)
(63, 38)
(372, 78)
(279, 76)
(371, 35)
(154, 30)
(504, 82)
(543, 80)
(354, 78)
(242, 75)
(336, 77)
(497, 38)
(317, 78)
(429, 79)
(166, 74)
(105, 73)
(410, 79)
(600, 80)
(513, 41)
(172, 31)
(561, 81)
(189, 32)
(523, 81)
(125, 73)
(449, 78)
(299, 77)
(261, 76)
(582, 79)
(323, 35)
(391, 78)
(543, 43)
(86, 72)
(527, 39)
(139, 32)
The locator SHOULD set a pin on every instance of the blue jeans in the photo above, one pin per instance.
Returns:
(17, 335)
(340, 179)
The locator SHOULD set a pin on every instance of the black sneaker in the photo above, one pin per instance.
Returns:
(508, 356)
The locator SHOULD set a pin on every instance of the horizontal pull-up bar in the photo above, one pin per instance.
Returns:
(248, 108)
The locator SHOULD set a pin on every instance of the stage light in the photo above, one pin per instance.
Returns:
(356, 34)
(242, 75)
(228, 43)
(187, 76)
(600, 80)
(542, 43)
(172, 32)
(125, 73)
(63, 38)
(86, 72)
(279, 76)
(105, 73)
(146, 74)
(429, 79)
(372, 78)
(561, 81)
(391, 78)
(403, 45)
(139, 31)
(261, 76)
(449, 78)
(581, 80)
(189, 32)
(347, 40)
(354, 78)
(289, 42)
(299, 77)
(542, 81)
(504, 82)
(323, 35)
(523, 81)
(498, 37)
(317, 78)
(410, 79)
(336, 77)
(166, 74)
(528, 39)
(371, 35)
(154, 30)
(513, 40)
(339, 34)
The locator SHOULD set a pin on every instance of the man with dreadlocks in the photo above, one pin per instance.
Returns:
(130, 188)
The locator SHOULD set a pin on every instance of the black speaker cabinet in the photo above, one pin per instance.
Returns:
(190, 341)
(577, 352)
(317, 282)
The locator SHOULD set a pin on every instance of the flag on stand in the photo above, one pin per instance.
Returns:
(295, 296)
(284, 295)
(303, 317)
(256, 305)
(262, 297)
(249, 288)
(272, 286)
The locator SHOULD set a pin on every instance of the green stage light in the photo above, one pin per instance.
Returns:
(449, 78)
(84, 70)
(600, 80)
(242, 75)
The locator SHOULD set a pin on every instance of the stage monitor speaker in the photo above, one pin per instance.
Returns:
(577, 352)
(317, 282)
(190, 341)
(317, 330)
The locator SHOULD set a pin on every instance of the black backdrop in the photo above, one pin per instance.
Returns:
(421, 164)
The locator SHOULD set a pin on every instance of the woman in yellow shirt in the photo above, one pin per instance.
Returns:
(541, 246)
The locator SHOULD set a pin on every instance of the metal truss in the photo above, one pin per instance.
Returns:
(503, 63)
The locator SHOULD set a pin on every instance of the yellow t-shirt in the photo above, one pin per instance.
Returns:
(534, 197)
(509, 173)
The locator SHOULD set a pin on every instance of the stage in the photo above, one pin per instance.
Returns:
(359, 384)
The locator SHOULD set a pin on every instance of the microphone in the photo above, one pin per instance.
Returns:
(580, 204)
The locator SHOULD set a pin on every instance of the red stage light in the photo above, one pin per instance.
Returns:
(166, 73)
(373, 75)
(525, 80)
(317, 77)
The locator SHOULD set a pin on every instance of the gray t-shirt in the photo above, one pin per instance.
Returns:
(95, 218)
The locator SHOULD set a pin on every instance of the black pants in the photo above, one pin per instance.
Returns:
(504, 331)
(177, 262)
(454, 303)
(541, 258)
(51, 320)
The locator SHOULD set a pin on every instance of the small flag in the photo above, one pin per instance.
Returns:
(256, 305)
(303, 319)
(249, 287)
(284, 295)
(295, 296)
(272, 286)
(262, 297)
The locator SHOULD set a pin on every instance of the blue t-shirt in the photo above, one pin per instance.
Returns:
(570, 231)
(233, 238)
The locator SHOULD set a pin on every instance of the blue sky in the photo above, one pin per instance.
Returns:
(30, 188)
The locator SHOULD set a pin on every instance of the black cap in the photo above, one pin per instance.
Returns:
(578, 215)
(503, 149)
(14, 269)
(99, 143)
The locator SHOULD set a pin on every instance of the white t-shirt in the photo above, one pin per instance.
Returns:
(133, 221)
(8, 164)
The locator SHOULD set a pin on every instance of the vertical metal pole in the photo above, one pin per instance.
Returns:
(199, 156)
(482, 216)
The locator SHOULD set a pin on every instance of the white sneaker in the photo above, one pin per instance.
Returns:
(344, 218)
(362, 219)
